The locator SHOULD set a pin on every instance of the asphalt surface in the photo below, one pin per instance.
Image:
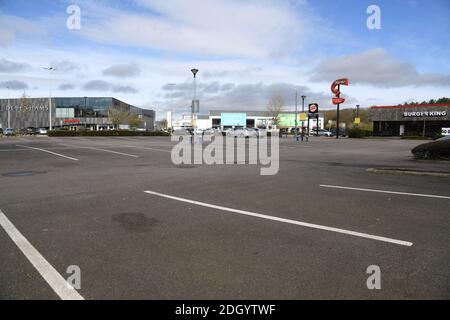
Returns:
(93, 212)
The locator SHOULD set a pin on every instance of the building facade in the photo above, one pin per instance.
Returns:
(410, 120)
(249, 119)
(92, 113)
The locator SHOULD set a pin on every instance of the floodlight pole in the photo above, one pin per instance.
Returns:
(194, 126)
(303, 112)
(296, 125)
(50, 69)
(9, 111)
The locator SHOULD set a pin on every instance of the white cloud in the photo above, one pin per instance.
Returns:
(253, 28)
(376, 67)
(123, 70)
(12, 26)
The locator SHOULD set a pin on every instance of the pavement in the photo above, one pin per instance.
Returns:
(220, 231)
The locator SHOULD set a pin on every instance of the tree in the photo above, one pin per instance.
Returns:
(275, 107)
(161, 124)
(118, 115)
(134, 120)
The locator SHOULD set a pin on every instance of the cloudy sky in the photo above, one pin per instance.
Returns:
(141, 51)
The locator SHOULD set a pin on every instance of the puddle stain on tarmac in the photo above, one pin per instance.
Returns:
(134, 221)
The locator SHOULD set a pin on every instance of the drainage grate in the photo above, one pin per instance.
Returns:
(22, 173)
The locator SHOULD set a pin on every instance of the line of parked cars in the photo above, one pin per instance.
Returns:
(231, 132)
(26, 131)
(240, 132)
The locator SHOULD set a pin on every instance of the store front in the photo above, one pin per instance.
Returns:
(410, 120)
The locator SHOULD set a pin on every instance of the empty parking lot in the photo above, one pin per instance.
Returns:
(140, 227)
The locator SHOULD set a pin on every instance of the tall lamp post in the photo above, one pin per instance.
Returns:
(194, 102)
(50, 69)
(296, 124)
(303, 112)
(9, 111)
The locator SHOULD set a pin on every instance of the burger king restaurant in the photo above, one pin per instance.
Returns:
(428, 120)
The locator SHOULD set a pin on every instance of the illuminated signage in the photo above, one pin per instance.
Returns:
(419, 114)
(233, 119)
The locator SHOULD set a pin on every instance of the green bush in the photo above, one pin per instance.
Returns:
(439, 150)
(106, 133)
(359, 133)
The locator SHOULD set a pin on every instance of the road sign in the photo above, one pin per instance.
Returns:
(357, 120)
(303, 116)
(313, 108)
(338, 100)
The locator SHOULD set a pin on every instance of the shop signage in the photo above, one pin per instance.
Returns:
(419, 114)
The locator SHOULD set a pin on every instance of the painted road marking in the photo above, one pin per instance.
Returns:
(54, 153)
(294, 222)
(111, 151)
(61, 287)
(148, 148)
(100, 149)
(386, 191)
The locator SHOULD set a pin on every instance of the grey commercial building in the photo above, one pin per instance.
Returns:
(410, 120)
(92, 113)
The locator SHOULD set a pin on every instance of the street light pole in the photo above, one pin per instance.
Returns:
(194, 72)
(9, 111)
(50, 69)
(303, 112)
(296, 126)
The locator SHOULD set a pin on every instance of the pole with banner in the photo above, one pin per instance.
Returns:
(337, 100)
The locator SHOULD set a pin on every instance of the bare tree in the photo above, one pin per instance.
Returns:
(118, 115)
(134, 120)
(275, 107)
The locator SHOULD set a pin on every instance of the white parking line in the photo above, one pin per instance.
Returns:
(295, 222)
(148, 148)
(111, 151)
(386, 191)
(100, 149)
(61, 287)
(54, 153)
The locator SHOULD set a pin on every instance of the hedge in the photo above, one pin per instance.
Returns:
(359, 133)
(439, 150)
(105, 133)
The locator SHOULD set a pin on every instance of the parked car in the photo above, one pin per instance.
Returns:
(341, 133)
(9, 132)
(443, 138)
(212, 132)
(182, 132)
(1, 130)
(242, 133)
(30, 131)
(256, 132)
(41, 131)
(322, 132)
